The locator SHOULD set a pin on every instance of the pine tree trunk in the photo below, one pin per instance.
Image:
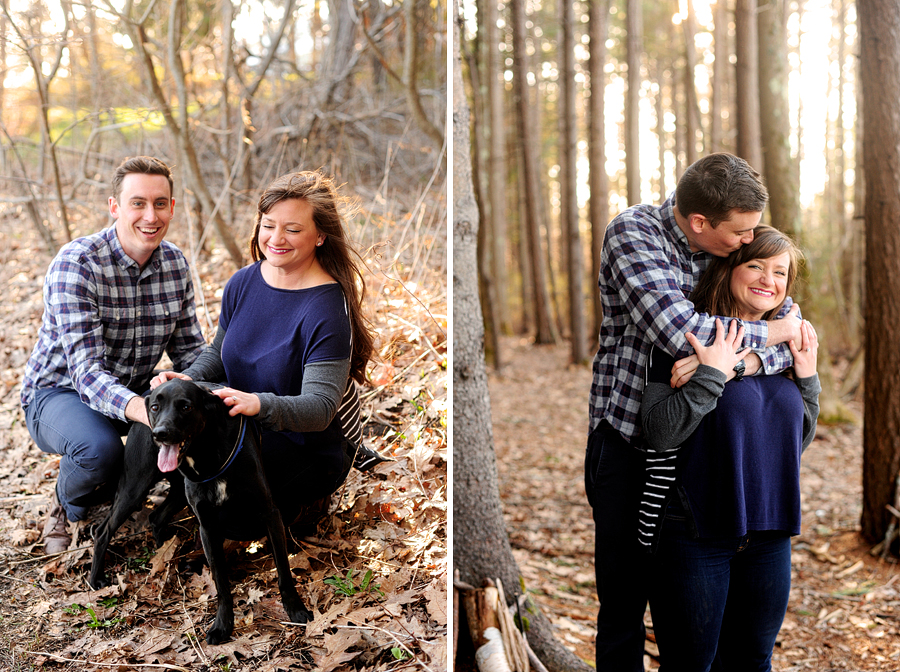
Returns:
(879, 22)
(599, 181)
(497, 161)
(633, 27)
(749, 142)
(782, 178)
(574, 254)
(530, 177)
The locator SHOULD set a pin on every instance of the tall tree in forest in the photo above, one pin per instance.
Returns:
(781, 170)
(853, 245)
(497, 175)
(749, 142)
(661, 133)
(634, 27)
(598, 12)
(529, 179)
(879, 33)
(693, 130)
(719, 100)
(486, 285)
(481, 544)
(573, 254)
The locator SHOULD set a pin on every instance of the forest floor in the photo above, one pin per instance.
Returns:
(374, 572)
(845, 603)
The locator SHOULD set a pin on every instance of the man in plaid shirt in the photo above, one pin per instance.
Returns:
(652, 257)
(114, 302)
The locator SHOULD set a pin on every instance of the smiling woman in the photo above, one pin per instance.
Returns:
(721, 489)
(719, 289)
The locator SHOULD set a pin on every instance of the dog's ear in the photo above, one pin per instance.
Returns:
(210, 401)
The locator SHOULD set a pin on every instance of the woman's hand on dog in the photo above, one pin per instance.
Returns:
(239, 403)
(165, 377)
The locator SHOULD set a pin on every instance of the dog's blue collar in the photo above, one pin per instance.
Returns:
(234, 453)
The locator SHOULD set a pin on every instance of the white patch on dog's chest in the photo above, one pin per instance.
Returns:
(221, 493)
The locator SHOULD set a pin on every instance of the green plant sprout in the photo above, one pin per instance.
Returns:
(347, 588)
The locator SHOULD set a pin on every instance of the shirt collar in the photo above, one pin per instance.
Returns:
(122, 258)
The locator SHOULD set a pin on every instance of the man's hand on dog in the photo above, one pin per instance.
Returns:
(165, 377)
(245, 403)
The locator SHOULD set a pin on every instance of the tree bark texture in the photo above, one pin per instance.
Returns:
(634, 29)
(574, 254)
(599, 181)
(749, 143)
(481, 545)
(530, 179)
(691, 103)
(782, 176)
(879, 22)
(719, 101)
(498, 168)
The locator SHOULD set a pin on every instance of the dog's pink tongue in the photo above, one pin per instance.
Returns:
(168, 458)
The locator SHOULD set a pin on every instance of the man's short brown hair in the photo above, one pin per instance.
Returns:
(717, 184)
(147, 165)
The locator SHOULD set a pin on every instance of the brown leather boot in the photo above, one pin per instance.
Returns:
(56, 530)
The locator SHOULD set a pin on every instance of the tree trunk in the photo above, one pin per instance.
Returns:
(599, 181)
(497, 161)
(633, 27)
(530, 177)
(854, 259)
(411, 73)
(749, 142)
(782, 178)
(661, 130)
(487, 288)
(692, 107)
(229, 140)
(481, 544)
(182, 133)
(879, 22)
(574, 254)
(719, 101)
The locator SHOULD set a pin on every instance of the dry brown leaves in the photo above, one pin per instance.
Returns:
(844, 606)
(390, 522)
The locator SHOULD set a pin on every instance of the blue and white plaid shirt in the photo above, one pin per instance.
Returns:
(647, 270)
(107, 323)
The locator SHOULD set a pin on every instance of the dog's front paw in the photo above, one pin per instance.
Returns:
(98, 582)
(218, 633)
(298, 613)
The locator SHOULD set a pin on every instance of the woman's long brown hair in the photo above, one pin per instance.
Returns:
(335, 254)
(713, 296)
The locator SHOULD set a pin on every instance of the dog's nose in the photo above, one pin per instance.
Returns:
(162, 433)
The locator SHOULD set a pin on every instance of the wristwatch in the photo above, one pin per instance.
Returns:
(739, 369)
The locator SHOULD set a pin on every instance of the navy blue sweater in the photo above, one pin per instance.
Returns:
(731, 452)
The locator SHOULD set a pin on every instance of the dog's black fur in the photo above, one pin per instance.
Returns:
(192, 430)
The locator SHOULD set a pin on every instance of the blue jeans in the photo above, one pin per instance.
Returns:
(89, 443)
(718, 604)
(613, 472)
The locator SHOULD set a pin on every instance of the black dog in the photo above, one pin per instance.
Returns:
(224, 482)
